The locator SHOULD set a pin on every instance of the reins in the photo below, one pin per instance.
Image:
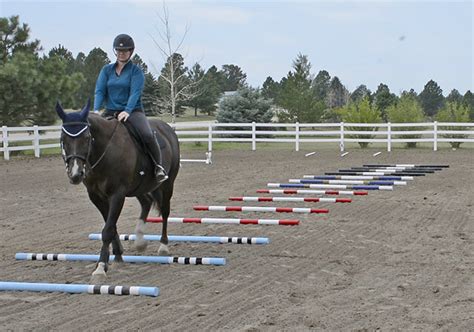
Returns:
(89, 148)
(106, 147)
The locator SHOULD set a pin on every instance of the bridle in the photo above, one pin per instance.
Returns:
(90, 140)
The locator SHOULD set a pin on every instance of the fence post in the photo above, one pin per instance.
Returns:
(435, 138)
(389, 137)
(36, 141)
(6, 152)
(341, 144)
(297, 136)
(209, 138)
(254, 136)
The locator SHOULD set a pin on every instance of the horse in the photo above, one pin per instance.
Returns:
(103, 155)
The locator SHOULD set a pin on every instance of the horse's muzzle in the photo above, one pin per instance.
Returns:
(76, 171)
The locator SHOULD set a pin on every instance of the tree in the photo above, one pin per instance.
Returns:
(150, 95)
(29, 85)
(468, 101)
(383, 99)
(174, 85)
(18, 80)
(406, 110)
(431, 98)
(454, 96)
(55, 84)
(248, 105)
(454, 112)
(65, 55)
(270, 89)
(14, 38)
(211, 91)
(337, 95)
(360, 93)
(93, 63)
(233, 78)
(296, 96)
(321, 84)
(411, 93)
(196, 75)
(361, 111)
(30, 88)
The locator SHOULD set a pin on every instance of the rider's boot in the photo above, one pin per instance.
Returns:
(155, 154)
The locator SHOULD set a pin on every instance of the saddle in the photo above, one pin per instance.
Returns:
(134, 134)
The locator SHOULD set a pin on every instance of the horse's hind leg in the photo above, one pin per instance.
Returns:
(162, 197)
(146, 203)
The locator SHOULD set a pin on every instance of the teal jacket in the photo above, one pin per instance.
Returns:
(119, 92)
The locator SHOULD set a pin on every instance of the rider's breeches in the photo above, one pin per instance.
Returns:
(140, 123)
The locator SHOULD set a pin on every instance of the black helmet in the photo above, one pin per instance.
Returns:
(124, 42)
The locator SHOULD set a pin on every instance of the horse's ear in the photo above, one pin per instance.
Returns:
(86, 109)
(60, 111)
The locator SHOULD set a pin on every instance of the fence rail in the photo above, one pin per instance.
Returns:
(42, 137)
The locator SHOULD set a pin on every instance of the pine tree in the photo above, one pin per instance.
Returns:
(431, 98)
(383, 99)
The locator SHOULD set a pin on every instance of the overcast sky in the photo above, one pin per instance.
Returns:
(401, 43)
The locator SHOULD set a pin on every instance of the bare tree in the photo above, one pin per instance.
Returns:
(181, 89)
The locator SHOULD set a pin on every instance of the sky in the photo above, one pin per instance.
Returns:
(401, 43)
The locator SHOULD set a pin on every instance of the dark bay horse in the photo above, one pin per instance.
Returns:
(102, 154)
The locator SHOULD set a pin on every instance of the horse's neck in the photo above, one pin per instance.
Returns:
(101, 129)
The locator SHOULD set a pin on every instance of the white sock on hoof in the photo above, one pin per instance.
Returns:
(100, 270)
(140, 243)
(163, 250)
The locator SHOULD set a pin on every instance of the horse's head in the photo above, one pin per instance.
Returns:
(75, 141)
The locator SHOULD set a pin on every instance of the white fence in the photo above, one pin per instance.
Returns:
(42, 137)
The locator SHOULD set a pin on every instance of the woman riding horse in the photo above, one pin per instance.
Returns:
(103, 155)
(120, 86)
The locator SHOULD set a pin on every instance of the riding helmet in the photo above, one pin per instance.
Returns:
(124, 42)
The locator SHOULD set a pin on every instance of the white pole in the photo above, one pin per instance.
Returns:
(36, 140)
(389, 137)
(341, 144)
(254, 137)
(6, 152)
(297, 136)
(435, 138)
(209, 138)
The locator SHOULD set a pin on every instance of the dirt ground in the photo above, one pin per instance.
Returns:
(392, 260)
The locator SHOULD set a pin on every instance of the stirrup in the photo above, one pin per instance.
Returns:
(160, 173)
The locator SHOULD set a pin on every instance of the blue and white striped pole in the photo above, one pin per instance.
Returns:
(79, 288)
(126, 259)
(190, 238)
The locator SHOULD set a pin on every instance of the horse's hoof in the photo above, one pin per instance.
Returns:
(163, 250)
(98, 280)
(100, 270)
(141, 245)
(118, 259)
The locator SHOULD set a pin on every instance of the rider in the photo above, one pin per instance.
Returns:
(120, 86)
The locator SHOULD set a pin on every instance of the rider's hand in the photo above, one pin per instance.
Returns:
(123, 116)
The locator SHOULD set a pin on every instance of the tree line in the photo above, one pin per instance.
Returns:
(30, 84)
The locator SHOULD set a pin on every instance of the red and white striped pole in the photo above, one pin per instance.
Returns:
(283, 222)
(257, 209)
(291, 199)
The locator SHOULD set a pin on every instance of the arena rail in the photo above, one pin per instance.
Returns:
(37, 138)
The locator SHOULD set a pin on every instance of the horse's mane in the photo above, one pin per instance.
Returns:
(97, 121)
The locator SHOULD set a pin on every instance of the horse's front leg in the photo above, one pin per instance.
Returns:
(109, 233)
(102, 205)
